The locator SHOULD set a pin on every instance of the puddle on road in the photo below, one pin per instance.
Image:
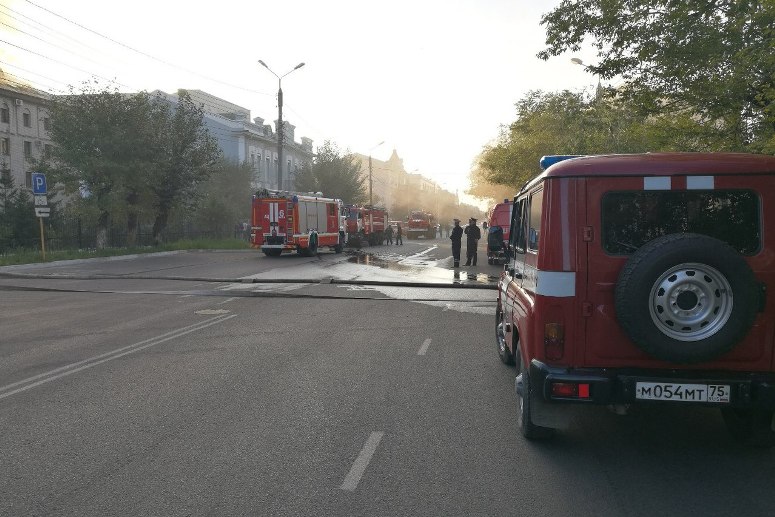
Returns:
(421, 272)
(367, 259)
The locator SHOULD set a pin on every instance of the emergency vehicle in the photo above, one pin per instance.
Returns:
(285, 222)
(420, 223)
(365, 223)
(498, 232)
(643, 279)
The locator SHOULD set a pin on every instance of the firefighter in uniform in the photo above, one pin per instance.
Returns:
(457, 235)
(473, 234)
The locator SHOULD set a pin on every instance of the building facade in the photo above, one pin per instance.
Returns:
(25, 123)
(253, 142)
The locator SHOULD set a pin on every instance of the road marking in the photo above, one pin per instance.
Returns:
(420, 254)
(212, 312)
(227, 300)
(362, 461)
(424, 347)
(69, 369)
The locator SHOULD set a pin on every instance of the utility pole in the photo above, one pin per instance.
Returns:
(280, 128)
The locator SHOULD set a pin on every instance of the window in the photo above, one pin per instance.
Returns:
(534, 223)
(631, 219)
(5, 146)
(26, 119)
(5, 174)
(5, 114)
(27, 149)
(47, 123)
(517, 231)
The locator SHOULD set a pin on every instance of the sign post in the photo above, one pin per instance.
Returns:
(42, 210)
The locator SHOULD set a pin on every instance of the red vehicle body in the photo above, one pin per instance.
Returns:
(498, 232)
(642, 279)
(420, 223)
(365, 223)
(287, 222)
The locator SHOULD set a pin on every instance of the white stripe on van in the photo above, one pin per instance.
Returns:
(657, 183)
(560, 284)
(700, 183)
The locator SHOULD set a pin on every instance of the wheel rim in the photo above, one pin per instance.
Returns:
(690, 302)
(500, 334)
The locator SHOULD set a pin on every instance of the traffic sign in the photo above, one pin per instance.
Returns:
(41, 201)
(42, 211)
(38, 183)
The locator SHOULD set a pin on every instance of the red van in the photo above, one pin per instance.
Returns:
(643, 279)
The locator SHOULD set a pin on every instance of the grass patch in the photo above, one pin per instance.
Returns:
(14, 257)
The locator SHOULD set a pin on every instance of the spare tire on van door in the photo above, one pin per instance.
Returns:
(686, 298)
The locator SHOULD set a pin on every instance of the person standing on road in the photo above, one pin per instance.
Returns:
(399, 235)
(473, 234)
(457, 236)
(389, 234)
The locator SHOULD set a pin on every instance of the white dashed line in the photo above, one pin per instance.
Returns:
(424, 347)
(361, 462)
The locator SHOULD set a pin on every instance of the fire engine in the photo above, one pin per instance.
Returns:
(498, 232)
(284, 222)
(419, 223)
(365, 223)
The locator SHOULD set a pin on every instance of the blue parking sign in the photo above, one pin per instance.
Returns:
(38, 183)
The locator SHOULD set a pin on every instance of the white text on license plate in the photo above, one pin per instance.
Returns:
(716, 393)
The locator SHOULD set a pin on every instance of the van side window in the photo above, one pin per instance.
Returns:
(534, 223)
(517, 230)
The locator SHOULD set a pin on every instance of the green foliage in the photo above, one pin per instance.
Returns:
(573, 123)
(129, 153)
(713, 60)
(335, 174)
(18, 225)
(224, 199)
(185, 154)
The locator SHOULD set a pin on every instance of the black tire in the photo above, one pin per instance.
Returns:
(752, 427)
(686, 298)
(526, 426)
(500, 339)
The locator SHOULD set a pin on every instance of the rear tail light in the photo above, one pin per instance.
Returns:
(570, 390)
(554, 341)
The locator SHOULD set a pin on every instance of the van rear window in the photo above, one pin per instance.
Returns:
(631, 219)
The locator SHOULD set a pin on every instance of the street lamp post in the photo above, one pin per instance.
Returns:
(371, 199)
(280, 128)
(577, 61)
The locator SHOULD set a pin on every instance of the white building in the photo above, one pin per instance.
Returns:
(24, 130)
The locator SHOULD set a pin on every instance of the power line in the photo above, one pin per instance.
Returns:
(145, 54)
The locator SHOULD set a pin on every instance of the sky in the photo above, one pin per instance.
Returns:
(433, 79)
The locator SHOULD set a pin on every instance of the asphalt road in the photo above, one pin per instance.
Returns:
(232, 384)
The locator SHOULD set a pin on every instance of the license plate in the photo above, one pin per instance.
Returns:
(713, 393)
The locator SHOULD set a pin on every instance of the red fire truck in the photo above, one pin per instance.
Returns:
(365, 223)
(419, 223)
(288, 222)
(498, 232)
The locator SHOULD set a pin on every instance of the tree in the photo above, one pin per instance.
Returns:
(334, 173)
(103, 149)
(224, 199)
(185, 155)
(576, 123)
(710, 60)
(17, 220)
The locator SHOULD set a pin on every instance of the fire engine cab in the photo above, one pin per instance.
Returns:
(643, 279)
(285, 222)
